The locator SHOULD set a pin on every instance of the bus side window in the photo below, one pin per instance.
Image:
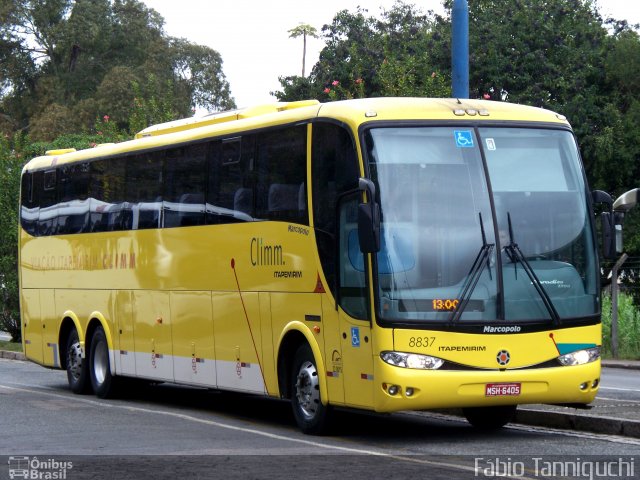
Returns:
(48, 213)
(29, 204)
(230, 195)
(184, 186)
(73, 201)
(143, 191)
(334, 172)
(106, 194)
(282, 170)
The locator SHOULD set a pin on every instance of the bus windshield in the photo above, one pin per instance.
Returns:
(481, 225)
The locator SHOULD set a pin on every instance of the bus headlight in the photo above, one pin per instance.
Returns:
(412, 360)
(580, 357)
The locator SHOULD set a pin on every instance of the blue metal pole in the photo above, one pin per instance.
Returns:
(460, 49)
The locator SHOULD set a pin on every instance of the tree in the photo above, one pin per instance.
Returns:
(304, 30)
(199, 69)
(65, 54)
(10, 167)
(367, 56)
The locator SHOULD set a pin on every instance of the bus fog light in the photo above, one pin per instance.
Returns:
(595, 383)
(580, 357)
(408, 392)
(412, 360)
(583, 386)
(392, 389)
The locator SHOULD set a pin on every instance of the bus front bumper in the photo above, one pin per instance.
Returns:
(400, 388)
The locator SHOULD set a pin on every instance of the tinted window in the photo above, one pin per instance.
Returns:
(335, 171)
(282, 165)
(48, 213)
(107, 196)
(29, 204)
(73, 202)
(184, 186)
(232, 181)
(144, 189)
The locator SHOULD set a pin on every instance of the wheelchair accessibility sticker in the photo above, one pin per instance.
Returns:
(355, 337)
(464, 138)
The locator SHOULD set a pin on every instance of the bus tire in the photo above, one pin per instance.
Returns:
(102, 381)
(77, 370)
(310, 414)
(490, 418)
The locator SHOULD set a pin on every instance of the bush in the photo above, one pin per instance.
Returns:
(628, 327)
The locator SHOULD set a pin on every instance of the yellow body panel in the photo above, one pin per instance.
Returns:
(215, 305)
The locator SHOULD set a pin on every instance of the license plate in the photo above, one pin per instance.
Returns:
(502, 389)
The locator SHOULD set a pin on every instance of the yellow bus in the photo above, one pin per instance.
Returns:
(383, 254)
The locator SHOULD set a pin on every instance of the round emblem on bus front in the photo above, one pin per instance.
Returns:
(503, 357)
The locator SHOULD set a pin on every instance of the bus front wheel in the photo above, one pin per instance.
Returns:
(77, 371)
(490, 418)
(101, 379)
(311, 415)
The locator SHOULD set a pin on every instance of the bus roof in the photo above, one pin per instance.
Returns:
(352, 112)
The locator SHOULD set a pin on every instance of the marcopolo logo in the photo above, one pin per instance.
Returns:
(35, 468)
(505, 329)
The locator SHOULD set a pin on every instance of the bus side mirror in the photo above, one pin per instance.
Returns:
(369, 227)
(368, 218)
(608, 236)
(621, 206)
(608, 227)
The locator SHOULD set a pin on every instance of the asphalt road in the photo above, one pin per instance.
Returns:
(620, 383)
(171, 432)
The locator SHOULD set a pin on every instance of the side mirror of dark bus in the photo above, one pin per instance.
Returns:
(607, 222)
(369, 219)
(621, 206)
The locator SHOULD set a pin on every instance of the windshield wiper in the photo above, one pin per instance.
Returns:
(514, 252)
(474, 275)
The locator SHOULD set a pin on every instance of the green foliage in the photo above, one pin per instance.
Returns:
(370, 57)
(628, 327)
(10, 167)
(63, 63)
(150, 106)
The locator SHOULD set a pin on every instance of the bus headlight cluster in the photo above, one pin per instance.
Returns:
(580, 357)
(412, 360)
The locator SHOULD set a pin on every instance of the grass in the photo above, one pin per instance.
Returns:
(11, 346)
(628, 328)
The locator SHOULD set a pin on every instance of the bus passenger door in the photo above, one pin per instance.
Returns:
(355, 326)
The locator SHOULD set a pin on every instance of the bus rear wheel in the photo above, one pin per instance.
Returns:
(490, 418)
(102, 381)
(311, 415)
(77, 371)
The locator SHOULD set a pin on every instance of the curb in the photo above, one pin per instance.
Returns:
(12, 355)
(626, 364)
(582, 423)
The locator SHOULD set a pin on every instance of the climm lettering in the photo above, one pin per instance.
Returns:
(265, 254)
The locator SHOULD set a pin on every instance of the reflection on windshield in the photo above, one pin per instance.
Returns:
(435, 205)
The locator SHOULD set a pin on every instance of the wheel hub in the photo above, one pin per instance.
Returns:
(74, 360)
(308, 389)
